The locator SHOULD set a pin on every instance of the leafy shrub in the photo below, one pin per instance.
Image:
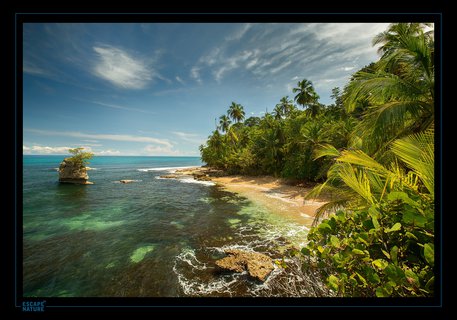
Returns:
(385, 250)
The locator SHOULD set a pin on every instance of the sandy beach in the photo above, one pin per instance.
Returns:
(270, 192)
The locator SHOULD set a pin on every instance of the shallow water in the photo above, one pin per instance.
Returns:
(153, 237)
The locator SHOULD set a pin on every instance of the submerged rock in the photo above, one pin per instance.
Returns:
(258, 265)
(126, 181)
(69, 172)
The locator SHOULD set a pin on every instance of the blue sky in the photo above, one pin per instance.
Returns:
(156, 89)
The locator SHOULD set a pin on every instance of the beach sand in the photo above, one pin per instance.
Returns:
(273, 193)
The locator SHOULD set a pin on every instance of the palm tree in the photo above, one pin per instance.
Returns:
(314, 109)
(224, 123)
(285, 105)
(306, 94)
(400, 91)
(358, 181)
(278, 112)
(236, 112)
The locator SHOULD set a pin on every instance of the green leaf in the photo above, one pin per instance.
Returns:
(380, 263)
(394, 273)
(305, 251)
(430, 282)
(394, 254)
(325, 227)
(429, 253)
(412, 278)
(333, 282)
(360, 239)
(375, 222)
(396, 195)
(373, 212)
(386, 253)
(384, 291)
(357, 251)
(361, 278)
(334, 241)
(411, 236)
(414, 218)
(395, 227)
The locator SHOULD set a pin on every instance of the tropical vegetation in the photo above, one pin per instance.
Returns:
(371, 153)
(80, 158)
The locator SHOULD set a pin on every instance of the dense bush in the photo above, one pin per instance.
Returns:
(385, 250)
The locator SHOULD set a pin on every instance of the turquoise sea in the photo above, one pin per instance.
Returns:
(154, 237)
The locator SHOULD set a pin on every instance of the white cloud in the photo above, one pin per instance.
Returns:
(32, 69)
(280, 50)
(238, 34)
(181, 81)
(113, 137)
(152, 150)
(195, 74)
(121, 69)
(189, 137)
(347, 68)
(45, 150)
(108, 152)
(115, 106)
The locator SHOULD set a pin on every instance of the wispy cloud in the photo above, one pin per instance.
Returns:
(181, 81)
(189, 137)
(121, 69)
(278, 52)
(195, 74)
(115, 106)
(32, 69)
(238, 34)
(113, 137)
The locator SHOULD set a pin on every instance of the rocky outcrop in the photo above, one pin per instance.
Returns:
(257, 264)
(170, 176)
(201, 176)
(69, 172)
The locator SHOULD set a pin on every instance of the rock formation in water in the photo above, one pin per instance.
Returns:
(126, 181)
(69, 172)
(257, 264)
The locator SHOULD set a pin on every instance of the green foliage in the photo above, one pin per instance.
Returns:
(388, 258)
(79, 157)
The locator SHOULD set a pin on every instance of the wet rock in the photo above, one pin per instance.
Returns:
(170, 176)
(70, 172)
(126, 181)
(258, 265)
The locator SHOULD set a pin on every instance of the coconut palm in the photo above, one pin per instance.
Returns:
(356, 180)
(224, 123)
(236, 112)
(400, 91)
(305, 93)
(285, 105)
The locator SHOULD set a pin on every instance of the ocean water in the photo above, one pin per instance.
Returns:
(154, 237)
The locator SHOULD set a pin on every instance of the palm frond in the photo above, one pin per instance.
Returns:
(417, 151)
(325, 149)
